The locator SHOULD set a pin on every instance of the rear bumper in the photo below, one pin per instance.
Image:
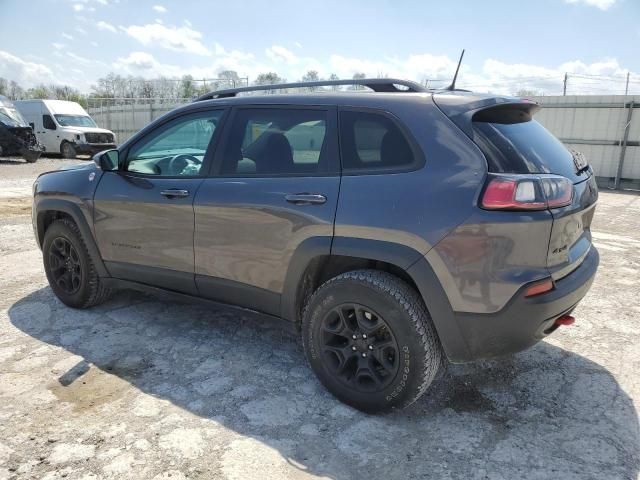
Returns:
(524, 321)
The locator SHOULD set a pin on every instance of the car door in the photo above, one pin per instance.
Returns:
(274, 187)
(143, 213)
(49, 135)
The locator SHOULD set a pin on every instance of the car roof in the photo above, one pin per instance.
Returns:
(460, 99)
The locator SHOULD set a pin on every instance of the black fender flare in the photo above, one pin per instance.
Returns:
(307, 251)
(45, 205)
(414, 263)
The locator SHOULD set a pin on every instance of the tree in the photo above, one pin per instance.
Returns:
(269, 78)
(187, 87)
(332, 77)
(15, 92)
(358, 76)
(4, 86)
(311, 76)
(231, 76)
(41, 91)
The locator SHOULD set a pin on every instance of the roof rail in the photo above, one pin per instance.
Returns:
(375, 84)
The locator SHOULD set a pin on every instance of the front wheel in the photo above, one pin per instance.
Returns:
(69, 267)
(370, 340)
(68, 150)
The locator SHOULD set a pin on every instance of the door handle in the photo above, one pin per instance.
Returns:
(305, 198)
(174, 193)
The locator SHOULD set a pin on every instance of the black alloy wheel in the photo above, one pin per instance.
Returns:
(359, 347)
(64, 264)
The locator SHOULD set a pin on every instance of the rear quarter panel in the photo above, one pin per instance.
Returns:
(414, 209)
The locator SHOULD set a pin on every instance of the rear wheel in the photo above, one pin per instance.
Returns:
(370, 340)
(69, 268)
(68, 150)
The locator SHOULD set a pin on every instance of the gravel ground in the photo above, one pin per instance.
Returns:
(144, 388)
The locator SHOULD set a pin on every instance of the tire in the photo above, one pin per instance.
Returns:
(73, 279)
(31, 156)
(68, 150)
(392, 365)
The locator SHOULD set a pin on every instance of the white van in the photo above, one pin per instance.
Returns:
(65, 127)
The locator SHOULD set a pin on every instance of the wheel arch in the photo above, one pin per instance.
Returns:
(313, 263)
(51, 209)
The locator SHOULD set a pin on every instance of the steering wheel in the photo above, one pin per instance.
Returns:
(178, 163)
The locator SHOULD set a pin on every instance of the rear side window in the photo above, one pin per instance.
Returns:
(372, 141)
(518, 144)
(278, 141)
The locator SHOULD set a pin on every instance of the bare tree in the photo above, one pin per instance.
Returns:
(358, 76)
(230, 76)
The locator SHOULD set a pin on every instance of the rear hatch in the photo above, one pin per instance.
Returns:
(516, 146)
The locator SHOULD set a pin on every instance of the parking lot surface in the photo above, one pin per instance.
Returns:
(140, 387)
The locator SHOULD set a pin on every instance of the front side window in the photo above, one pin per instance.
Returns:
(372, 141)
(265, 141)
(176, 149)
(48, 123)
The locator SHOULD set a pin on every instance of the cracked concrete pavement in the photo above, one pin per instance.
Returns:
(140, 387)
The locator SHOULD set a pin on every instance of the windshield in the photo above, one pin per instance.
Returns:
(11, 117)
(75, 121)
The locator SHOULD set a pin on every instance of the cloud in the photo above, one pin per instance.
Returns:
(160, 9)
(178, 39)
(137, 61)
(25, 73)
(58, 46)
(278, 53)
(102, 25)
(78, 58)
(601, 4)
(78, 7)
(81, 30)
(67, 36)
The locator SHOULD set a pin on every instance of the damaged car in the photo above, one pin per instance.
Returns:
(16, 136)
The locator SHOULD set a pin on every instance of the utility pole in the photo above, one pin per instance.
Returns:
(626, 88)
(564, 88)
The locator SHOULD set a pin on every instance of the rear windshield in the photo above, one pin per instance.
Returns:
(522, 147)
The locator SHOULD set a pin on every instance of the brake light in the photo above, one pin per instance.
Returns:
(520, 192)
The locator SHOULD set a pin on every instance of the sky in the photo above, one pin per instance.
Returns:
(510, 45)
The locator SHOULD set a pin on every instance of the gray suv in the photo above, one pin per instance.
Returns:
(396, 229)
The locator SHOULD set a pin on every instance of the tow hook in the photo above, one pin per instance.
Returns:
(565, 320)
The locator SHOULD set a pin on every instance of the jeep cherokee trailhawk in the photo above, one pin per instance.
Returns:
(397, 228)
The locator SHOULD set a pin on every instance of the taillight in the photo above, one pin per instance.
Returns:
(539, 288)
(524, 192)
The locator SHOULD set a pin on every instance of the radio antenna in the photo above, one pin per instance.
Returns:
(455, 77)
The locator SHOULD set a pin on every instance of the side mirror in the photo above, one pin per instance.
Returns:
(107, 161)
